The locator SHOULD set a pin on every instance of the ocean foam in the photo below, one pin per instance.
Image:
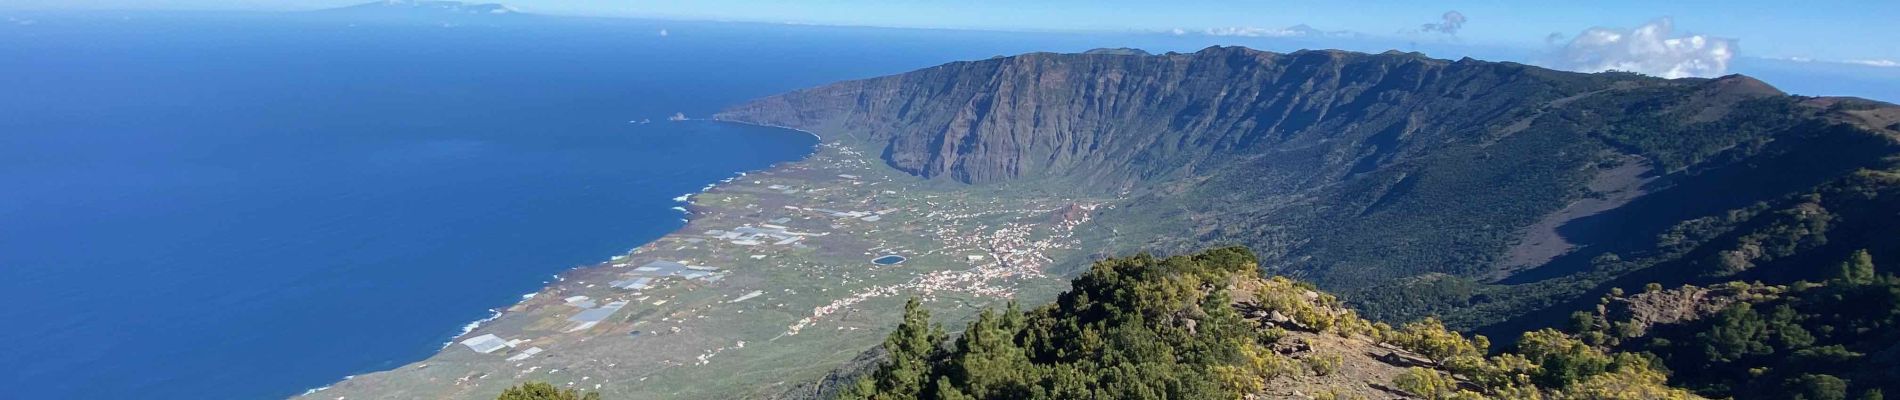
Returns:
(315, 390)
(472, 326)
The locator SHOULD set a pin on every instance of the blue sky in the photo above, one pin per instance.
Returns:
(1843, 30)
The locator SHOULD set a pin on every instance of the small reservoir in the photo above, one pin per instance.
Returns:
(888, 260)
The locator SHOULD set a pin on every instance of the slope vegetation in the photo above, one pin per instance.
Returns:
(1206, 327)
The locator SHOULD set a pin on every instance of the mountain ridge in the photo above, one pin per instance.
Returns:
(1295, 72)
(1359, 171)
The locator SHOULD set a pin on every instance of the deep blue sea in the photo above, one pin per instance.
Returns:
(236, 206)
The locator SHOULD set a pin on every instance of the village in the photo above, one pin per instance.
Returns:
(834, 243)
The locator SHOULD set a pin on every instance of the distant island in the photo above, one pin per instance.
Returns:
(422, 8)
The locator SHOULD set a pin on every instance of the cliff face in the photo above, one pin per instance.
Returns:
(1110, 120)
(1361, 170)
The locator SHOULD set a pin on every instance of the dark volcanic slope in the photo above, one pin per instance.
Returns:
(1119, 118)
(1402, 180)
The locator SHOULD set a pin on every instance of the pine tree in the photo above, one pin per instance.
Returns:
(1820, 387)
(1737, 332)
(988, 363)
(909, 349)
(1858, 269)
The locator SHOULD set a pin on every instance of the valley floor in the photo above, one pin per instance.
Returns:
(770, 285)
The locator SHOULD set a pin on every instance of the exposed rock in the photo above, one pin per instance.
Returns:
(1110, 119)
(1364, 369)
(1678, 305)
(840, 378)
(1295, 347)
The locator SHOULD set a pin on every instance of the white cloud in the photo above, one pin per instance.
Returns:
(1865, 62)
(1253, 32)
(1292, 31)
(1652, 49)
(1875, 63)
(1448, 24)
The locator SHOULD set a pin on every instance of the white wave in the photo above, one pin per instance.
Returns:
(814, 135)
(472, 326)
(315, 390)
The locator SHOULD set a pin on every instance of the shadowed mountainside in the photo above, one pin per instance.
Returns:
(1407, 183)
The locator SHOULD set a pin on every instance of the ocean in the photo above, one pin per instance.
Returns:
(242, 206)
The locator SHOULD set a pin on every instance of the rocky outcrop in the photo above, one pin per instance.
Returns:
(837, 380)
(1680, 305)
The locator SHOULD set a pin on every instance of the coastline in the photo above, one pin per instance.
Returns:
(732, 330)
(814, 135)
(548, 285)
